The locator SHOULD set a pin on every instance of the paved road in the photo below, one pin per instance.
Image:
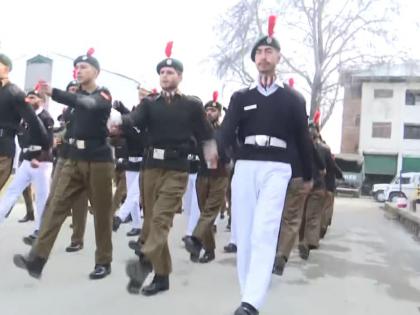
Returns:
(366, 265)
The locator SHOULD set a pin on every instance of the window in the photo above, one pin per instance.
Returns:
(381, 130)
(412, 97)
(411, 131)
(383, 93)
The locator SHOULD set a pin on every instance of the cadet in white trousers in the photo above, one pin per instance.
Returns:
(262, 119)
(131, 204)
(36, 167)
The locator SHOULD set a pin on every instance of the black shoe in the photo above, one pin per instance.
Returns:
(323, 232)
(134, 245)
(159, 284)
(214, 229)
(100, 272)
(30, 239)
(34, 265)
(230, 248)
(74, 247)
(134, 232)
(222, 215)
(193, 246)
(207, 257)
(137, 270)
(27, 218)
(128, 219)
(116, 222)
(246, 309)
(303, 251)
(279, 264)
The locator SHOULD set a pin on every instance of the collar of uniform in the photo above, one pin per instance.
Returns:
(39, 110)
(87, 93)
(169, 94)
(257, 83)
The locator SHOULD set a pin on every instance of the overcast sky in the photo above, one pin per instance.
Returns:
(130, 37)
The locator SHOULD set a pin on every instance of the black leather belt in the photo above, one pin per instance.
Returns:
(86, 144)
(166, 154)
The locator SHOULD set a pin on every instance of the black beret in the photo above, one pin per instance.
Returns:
(34, 92)
(170, 62)
(6, 61)
(88, 59)
(265, 41)
(214, 105)
(72, 83)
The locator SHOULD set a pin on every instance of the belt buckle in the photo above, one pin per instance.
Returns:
(262, 140)
(80, 144)
(158, 154)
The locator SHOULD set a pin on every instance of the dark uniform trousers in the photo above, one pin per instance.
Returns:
(6, 165)
(28, 197)
(211, 193)
(120, 191)
(327, 211)
(79, 207)
(162, 196)
(291, 217)
(76, 177)
(311, 223)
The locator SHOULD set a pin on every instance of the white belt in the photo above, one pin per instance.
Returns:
(135, 159)
(32, 148)
(265, 141)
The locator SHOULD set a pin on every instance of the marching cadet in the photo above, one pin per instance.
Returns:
(171, 119)
(36, 166)
(80, 206)
(310, 228)
(89, 168)
(211, 191)
(132, 166)
(13, 108)
(265, 118)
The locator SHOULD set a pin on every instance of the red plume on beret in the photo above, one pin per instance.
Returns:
(168, 49)
(90, 52)
(271, 25)
(154, 91)
(38, 86)
(291, 82)
(317, 117)
(215, 96)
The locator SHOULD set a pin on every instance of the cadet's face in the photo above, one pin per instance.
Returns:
(72, 89)
(4, 71)
(267, 59)
(86, 72)
(34, 101)
(169, 78)
(213, 114)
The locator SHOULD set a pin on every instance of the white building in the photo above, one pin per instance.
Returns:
(381, 119)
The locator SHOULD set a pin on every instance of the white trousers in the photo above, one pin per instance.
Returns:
(25, 175)
(190, 204)
(258, 195)
(131, 204)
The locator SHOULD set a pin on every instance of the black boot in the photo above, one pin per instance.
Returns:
(303, 251)
(33, 265)
(159, 284)
(207, 257)
(116, 222)
(137, 270)
(28, 217)
(246, 309)
(30, 239)
(230, 248)
(279, 264)
(193, 246)
(74, 247)
(134, 232)
(100, 271)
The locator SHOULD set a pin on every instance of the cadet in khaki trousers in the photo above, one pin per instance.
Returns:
(211, 192)
(89, 168)
(171, 119)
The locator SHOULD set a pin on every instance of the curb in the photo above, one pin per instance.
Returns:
(407, 218)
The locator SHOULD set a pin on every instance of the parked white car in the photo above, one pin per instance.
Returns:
(406, 188)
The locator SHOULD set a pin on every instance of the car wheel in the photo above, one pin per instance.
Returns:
(395, 195)
(379, 196)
